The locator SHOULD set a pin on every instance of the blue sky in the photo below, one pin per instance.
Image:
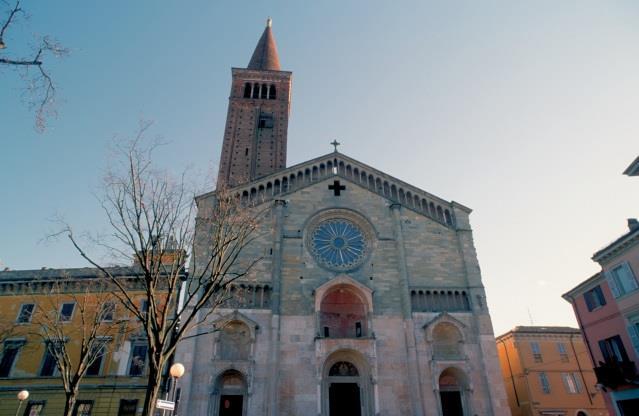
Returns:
(525, 111)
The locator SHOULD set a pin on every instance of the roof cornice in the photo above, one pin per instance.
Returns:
(633, 169)
(319, 170)
(616, 247)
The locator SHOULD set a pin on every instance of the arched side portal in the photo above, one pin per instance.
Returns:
(229, 397)
(346, 386)
(452, 385)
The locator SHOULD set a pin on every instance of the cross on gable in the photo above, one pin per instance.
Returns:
(336, 187)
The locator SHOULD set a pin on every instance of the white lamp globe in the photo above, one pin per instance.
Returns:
(23, 395)
(176, 370)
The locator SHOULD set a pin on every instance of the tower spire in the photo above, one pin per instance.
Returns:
(265, 56)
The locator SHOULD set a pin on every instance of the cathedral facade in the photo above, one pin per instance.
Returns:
(368, 299)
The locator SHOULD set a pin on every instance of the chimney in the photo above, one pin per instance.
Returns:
(633, 224)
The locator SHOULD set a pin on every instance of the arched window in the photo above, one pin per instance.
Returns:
(343, 314)
(247, 90)
(447, 342)
(264, 91)
(271, 92)
(449, 219)
(235, 342)
(256, 90)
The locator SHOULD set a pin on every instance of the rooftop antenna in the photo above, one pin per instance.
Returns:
(532, 323)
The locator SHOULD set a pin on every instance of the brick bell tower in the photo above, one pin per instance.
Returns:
(257, 119)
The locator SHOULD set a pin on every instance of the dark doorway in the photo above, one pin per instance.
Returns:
(230, 405)
(451, 403)
(628, 407)
(344, 399)
(128, 407)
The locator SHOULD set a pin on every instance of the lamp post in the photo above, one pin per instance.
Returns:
(176, 371)
(22, 396)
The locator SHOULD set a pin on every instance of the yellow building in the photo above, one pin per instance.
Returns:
(547, 371)
(115, 383)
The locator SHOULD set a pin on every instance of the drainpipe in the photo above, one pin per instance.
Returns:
(583, 332)
(581, 373)
(510, 369)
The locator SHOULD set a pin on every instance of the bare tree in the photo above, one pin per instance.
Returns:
(153, 224)
(40, 86)
(76, 321)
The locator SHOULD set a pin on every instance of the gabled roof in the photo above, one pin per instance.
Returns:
(633, 169)
(583, 286)
(305, 174)
(265, 56)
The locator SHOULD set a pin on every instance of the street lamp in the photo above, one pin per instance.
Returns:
(22, 396)
(175, 371)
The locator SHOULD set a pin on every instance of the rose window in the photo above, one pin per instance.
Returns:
(338, 244)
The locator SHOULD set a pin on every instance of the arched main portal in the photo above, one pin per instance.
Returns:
(346, 389)
(343, 313)
(229, 395)
(451, 392)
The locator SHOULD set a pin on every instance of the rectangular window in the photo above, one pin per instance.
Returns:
(621, 280)
(594, 298)
(107, 312)
(34, 408)
(144, 306)
(138, 360)
(613, 350)
(265, 121)
(83, 408)
(563, 354)
(25, 314)
(543, 382)
(9, 354)
(49, 366)
(128, 407)
(536, 352)
(98, 352)
(571, 382)
(66, 311)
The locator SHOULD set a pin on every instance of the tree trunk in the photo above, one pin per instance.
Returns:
(71, 397)
(152, 391)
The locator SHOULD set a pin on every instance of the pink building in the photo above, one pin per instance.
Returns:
(607, 309)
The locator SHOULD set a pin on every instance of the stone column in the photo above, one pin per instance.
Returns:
(496, 400)
(276, 280)
(412, 363)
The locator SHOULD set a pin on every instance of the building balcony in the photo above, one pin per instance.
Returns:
(615, 374)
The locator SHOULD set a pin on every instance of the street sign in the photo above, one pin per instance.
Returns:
(165, 404)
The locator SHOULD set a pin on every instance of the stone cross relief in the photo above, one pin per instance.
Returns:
(337, 188)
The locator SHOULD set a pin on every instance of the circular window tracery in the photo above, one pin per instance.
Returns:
(338, 244)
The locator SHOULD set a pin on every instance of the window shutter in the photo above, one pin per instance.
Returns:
(604, 350)
(564, 377)
(613, 285)
(632, 281)
(600, 295)
(578, 385)
(633, 331)
(588, 299)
